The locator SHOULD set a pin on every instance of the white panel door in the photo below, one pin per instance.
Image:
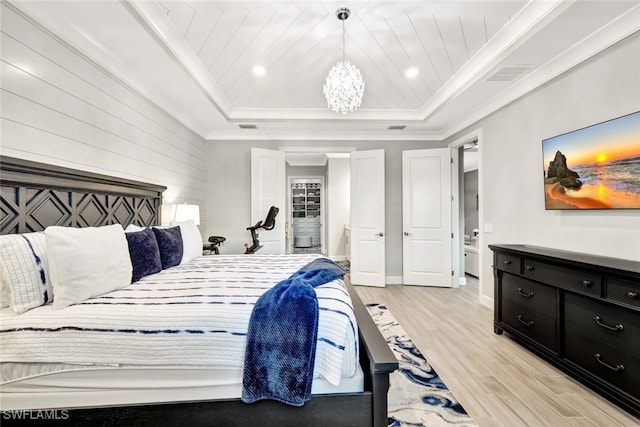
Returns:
(268, 188)
(426, 217)
(367, 218)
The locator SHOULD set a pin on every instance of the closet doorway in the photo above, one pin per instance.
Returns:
(331, 165)
(307, 212)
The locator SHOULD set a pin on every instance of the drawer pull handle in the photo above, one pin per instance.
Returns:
(525, 294)
(619, 327)
(507, 262)
(530, 267)
(632, 295)
(587, 283)
(524, 322)
(617, 368)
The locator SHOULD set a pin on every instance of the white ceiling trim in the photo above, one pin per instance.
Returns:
(523, 26)
(162, 37)
(617, 30)
(529, 20)
(622, 27)
(382, 135)
(99, 58)
(155, 21)
(273, 114)
(161, 28)
(324, 149)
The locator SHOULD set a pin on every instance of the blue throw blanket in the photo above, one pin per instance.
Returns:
(281, 341)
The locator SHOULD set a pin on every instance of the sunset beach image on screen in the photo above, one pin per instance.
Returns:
(597, 167)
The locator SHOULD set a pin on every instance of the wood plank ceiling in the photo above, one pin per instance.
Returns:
(296, 43)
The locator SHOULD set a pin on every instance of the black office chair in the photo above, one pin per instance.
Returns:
(269, 223)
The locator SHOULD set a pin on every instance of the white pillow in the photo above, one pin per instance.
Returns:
(191, 240)
(5, 290)
(25, 281)
(87, 262)
(132, 228)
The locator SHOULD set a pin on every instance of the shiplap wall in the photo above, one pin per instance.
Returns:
(59, 107)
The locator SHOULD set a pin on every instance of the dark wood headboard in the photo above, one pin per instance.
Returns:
(34, 196)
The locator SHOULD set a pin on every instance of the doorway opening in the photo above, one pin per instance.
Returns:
(470, 208)
(307, 205)
(467, 248)
(330, 167)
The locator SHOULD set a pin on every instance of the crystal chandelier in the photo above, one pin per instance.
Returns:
(344, 85)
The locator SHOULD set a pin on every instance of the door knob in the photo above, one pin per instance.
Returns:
(406, 233)
(380, 234)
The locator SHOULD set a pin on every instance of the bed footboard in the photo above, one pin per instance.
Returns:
(376, 358)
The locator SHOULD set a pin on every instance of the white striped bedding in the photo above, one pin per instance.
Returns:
(194, 314)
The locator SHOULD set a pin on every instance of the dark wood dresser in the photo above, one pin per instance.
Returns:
(580, 312)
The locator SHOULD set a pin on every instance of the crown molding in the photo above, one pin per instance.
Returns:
(155, 21)
(322, 114)
(615, 31)
(315, 136)
(526, 23)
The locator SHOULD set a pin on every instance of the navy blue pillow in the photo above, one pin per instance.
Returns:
(170, 244)
(144, 253)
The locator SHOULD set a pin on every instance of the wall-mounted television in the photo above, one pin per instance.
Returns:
(596, 167)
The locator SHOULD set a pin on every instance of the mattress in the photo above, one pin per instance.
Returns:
(187, 322)
(67, 386)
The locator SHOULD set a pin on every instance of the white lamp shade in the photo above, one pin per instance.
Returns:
(187, 212)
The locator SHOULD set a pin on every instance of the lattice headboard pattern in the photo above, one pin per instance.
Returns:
(34, 196)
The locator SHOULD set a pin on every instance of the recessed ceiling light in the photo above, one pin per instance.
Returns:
(411, 72)
(259, 70)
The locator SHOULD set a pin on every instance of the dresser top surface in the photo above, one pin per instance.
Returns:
(615, 264)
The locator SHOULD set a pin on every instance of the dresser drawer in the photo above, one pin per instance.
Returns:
(606, 323)
(507, 262)
(616, 367)
(536, 296)
(624, 291)
(537, 326)
(565, 277)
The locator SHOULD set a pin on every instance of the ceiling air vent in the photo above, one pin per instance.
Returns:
(248, 126)
(508, 73)
(396, 127)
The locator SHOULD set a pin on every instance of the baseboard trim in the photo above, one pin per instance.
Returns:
(486, 301)
(393, 280)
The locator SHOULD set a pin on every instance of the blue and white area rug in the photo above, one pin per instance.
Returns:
(417, 396)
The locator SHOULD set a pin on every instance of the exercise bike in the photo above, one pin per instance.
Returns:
(268, 224)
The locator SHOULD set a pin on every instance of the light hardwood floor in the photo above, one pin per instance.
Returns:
(497, 381)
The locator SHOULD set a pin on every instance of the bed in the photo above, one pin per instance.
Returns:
(155, 385)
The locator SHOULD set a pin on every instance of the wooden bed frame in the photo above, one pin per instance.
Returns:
(34, 196)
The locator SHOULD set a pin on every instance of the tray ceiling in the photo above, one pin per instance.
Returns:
(196, 59)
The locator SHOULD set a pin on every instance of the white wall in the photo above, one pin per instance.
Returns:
(60, 108)
(511, 191)
(229, 195)
(338, 215)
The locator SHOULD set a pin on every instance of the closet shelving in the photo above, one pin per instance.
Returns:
(306, 204)
(306, 200)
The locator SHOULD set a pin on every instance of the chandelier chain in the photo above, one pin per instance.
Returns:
(344, 55)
